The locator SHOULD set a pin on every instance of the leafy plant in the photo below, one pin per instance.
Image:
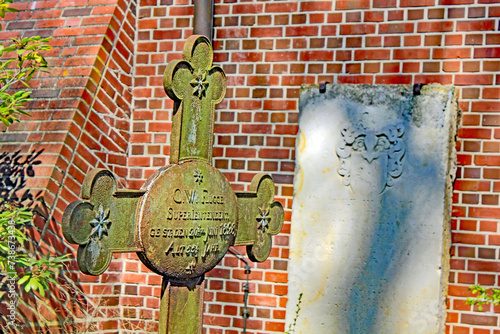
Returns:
(18, 69)
(15, 259)
(11, 221)
(5, 7)
(291, 327)
(19, 61)
(485, 296)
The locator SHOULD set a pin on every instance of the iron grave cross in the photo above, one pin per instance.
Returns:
(186, 216)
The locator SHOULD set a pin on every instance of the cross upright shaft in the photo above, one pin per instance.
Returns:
(196, 87)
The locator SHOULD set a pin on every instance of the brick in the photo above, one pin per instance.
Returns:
(373, 68)
(384, 3)
(262, 300)
(468, 238)
(486, 106)
(487, 53)
(167, 34)
(374, 16)
(434, 78)
(437, 13)
(494, 11)
(491, 93)
(274, 326)
(296, 80)
(274, 153)
(246, 56)
(432, 40)
(491, 173)
(265, 32)
(247, 9)
(487, 160)
(476, 12)
(435, 26)
(491, 120)
(476, 25)
(353, 68)
(449, 53)
(352, 4)
(302, 31)
(473, 79)
(280, 105)
(356, 79)
(396, 28)
(354, 42)
(281, 7)
(416, 3)
(309, 6)
(415, 14)
(412, 40)
(232, 33)
(451, 66)
(410, 53)
(357, 29)
(316, 55)
(372, 54)
(256, 128)
(393, 79)
(328, 30)
(474, 133)
(492, 39)
(263, 80)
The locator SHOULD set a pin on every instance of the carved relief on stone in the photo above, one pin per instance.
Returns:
(370, 157)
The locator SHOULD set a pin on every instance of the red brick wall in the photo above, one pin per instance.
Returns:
(107, 79)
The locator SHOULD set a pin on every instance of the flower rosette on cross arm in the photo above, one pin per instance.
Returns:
(269, 218)
(87, 222)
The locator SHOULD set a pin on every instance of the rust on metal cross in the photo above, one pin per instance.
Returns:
(186, 216)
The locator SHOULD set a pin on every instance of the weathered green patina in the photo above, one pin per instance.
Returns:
(186, 216)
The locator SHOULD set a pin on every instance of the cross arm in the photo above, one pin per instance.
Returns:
(102, 223)
(259, 218)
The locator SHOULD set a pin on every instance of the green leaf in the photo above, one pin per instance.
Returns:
(28, 286)
(23, 279)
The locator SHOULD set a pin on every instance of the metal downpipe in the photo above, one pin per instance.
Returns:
(203, 18)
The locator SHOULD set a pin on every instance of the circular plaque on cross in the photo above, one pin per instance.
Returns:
(187, 220)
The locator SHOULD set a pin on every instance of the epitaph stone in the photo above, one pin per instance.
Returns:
(371, 210)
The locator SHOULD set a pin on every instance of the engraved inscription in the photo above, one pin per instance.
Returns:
(190, 229)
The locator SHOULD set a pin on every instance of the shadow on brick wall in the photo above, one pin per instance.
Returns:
(65, 309)
(15, 169)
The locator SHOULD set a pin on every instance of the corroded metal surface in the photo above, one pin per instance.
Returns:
(181, 307)
(259, 216)
(196, 87)
(102, 223)
(187, 220)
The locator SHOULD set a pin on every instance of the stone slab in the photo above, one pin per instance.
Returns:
(371, 212)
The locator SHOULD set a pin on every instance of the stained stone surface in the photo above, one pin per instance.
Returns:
(371, 210)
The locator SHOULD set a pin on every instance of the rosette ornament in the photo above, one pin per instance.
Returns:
(87, 222)
(102, 223)
(259, 218)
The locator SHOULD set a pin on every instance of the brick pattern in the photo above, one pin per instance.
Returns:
(108, 81)
(81, 120)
